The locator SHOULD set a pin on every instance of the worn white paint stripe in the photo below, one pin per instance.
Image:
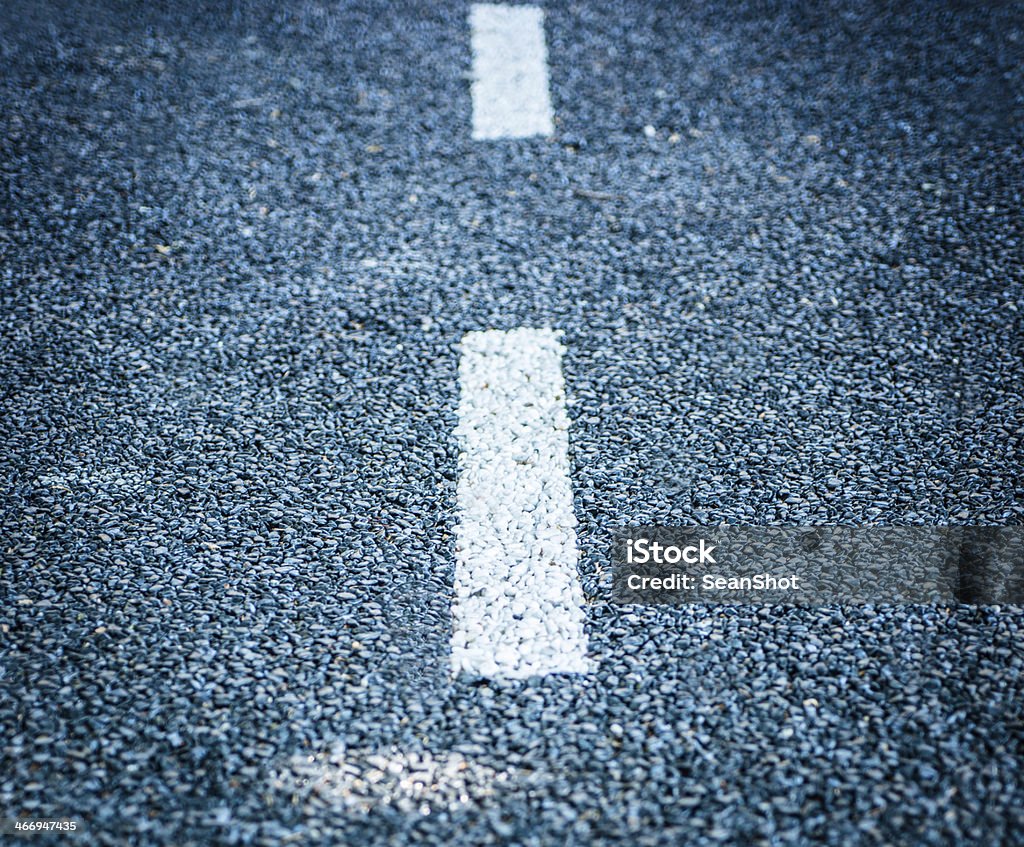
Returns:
(510, 72)
(518, 608)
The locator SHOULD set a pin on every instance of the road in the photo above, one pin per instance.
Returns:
(240, 247)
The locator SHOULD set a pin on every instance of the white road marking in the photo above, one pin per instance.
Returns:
(518, 608)
(510, 72)
(364, 780)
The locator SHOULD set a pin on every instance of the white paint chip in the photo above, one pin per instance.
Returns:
(518, 608)
(510, 72)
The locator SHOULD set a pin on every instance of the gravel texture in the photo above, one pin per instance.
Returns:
(239, 245)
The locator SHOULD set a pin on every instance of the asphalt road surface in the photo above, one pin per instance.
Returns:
(239, 247)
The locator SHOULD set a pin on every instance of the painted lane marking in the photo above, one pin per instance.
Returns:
(518, 608)
(510, 72)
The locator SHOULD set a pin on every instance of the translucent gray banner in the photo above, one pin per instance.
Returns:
(818, 565)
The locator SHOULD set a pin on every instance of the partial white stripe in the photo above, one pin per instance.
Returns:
(510, 72)
(518, 607)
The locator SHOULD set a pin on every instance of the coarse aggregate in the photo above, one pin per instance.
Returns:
(239, 244)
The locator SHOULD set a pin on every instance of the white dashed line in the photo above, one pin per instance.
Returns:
(518, 608)
(510, 72)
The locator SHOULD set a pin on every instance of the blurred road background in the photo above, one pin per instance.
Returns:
(239, 246)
